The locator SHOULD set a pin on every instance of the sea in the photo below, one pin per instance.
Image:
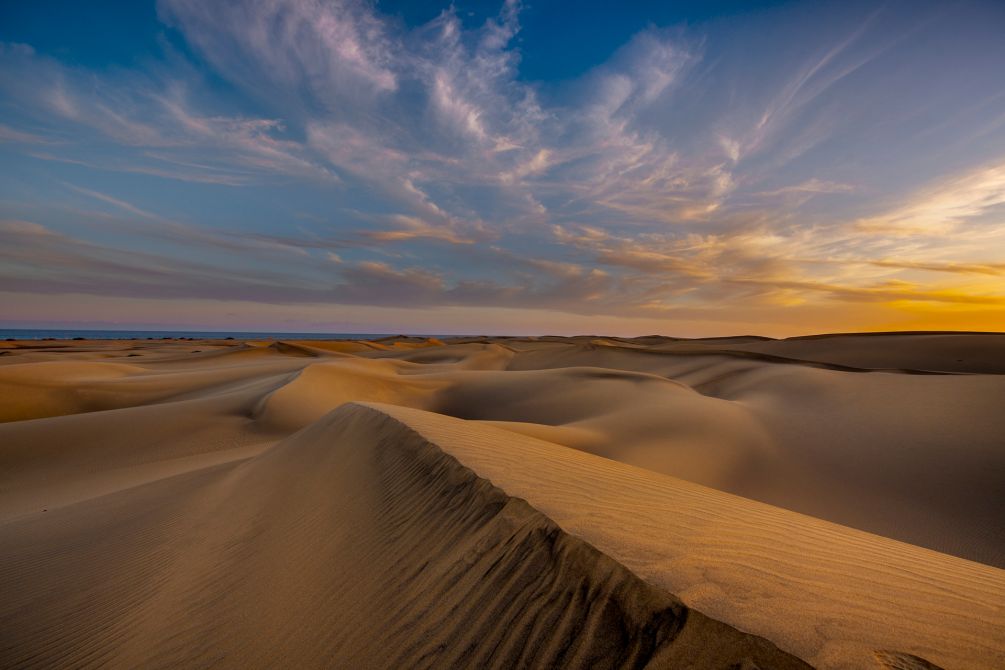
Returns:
(30, 334)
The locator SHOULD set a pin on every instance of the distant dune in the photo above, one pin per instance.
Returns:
(831, 502)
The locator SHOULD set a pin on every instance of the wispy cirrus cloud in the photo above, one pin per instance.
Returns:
(8, 134)
(322, 50)
(412, 228)
(137, 112)
(941, 208)
(115, 202)
(810, 186)
(202, 174)
(993, 269)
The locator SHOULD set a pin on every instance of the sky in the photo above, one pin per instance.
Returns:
(682, 168)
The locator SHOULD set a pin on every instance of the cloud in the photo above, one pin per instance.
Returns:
(23, 228)
(40, 260)
(202, 174)
(993, 269)
(818, 74)
(412, 228)
(8, 134)
(811, 186)
(942, 207)
(116, 202)
(331, 50)
(141, 112)
(398, 165)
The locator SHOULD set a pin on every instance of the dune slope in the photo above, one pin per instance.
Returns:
(354, 543)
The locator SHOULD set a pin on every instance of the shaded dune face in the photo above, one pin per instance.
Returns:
(354, 543)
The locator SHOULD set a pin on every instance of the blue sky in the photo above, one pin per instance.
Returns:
(689, 168)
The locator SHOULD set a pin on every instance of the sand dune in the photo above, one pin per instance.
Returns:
(830, 594)
(878, 451)
(325, 385)
(355, 543)
(56, 388)
(503, 502)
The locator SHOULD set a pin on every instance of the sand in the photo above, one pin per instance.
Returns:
(833, 502)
